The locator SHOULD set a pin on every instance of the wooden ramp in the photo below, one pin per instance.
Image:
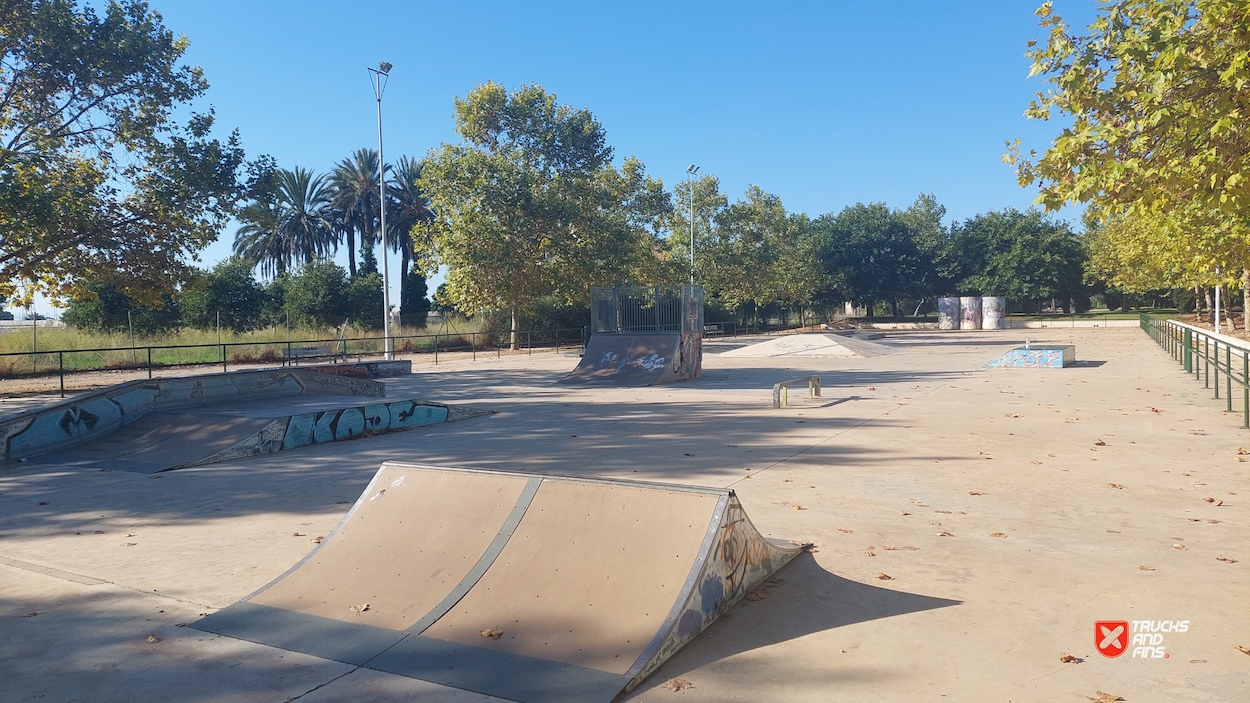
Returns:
(539, 589)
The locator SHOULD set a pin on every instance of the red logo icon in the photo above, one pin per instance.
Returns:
(1111, 637)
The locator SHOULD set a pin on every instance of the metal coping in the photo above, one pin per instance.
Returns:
(654, 485)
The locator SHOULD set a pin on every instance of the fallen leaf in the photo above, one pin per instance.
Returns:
(1153, 410)
(787, 480)
(871, 388)
(903, 513)
(892, 548)
(153, 639)
(975, 493)
(298, 534)
(1242, 451)
(129, 534)
(1243, 650)
(797, 507)
(843, 529)
(1035, 462)
(316, 540)
(492, 633)
(1146, 568)
(1113, 532)
(1013, 415)
(997, 534)
(1114, 485)
(1213, 522)
(676, 685)
(884, 577)
(757, 595)
(358, 609)
(1069, 659)
(1100, 443)
(1073, 419)
(30, 615)
(869, 554)
(43, 502)
(945, 534)
(1180, 547)
(1226, 559)
(944, 512)
(1104, 697)
(1214, 501)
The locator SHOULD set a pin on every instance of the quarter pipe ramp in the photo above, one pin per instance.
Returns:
(540, 589)
(639, 359)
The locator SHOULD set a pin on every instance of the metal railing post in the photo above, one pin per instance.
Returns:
(61, 363)
(149, 363)
(1189, 360)
(473, 344)
(223, 359)
(436, 349)
(1228, 371)
(1245, 388)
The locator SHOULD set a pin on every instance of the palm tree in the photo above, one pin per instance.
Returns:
(294, 227)
(354, 184)
(406, 206)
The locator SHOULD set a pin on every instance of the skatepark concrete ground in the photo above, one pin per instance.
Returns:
(907, 468)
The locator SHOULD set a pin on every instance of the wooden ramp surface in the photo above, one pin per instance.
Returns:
(532, 588)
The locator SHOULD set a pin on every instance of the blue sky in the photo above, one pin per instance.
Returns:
(825, 104)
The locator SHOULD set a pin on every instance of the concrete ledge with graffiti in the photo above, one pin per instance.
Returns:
(367, 369)
(1045, 357)
(92, 415)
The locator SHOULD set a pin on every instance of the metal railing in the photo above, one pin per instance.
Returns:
(1208, 357)
(282, 352)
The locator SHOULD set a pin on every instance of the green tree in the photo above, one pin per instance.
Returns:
(1023, 256)
(230, 289)
(355, 198)
(317, 294)
(529, 204)
(291, 225)
(102, 307)
(407, 206)
(98, 183)
(869, 255)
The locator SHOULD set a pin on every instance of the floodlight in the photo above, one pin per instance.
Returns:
(384, 67)
(692, 169)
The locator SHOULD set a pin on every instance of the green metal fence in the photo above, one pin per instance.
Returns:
(1219, 365)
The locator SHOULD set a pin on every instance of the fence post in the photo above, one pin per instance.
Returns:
(1228, 370)
(61, 363)
(1189, 360)
(473, 344)
(223, 359)
(149, 363)
(436, 349)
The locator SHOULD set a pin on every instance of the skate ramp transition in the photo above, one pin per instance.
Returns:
(222, 416)
(812, 345)
(639, 359)
(532, 588)
(1038, 356)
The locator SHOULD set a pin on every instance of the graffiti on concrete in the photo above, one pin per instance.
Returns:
(95, 414)
(1057, 357)
(993, 313)
(368, 369)
(688, 363)
(739, 560)
(948, 313)
(970, 312)
(338, 425)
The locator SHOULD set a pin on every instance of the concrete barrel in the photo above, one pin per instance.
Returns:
(993, 313)
(970, 312)
(948, 313)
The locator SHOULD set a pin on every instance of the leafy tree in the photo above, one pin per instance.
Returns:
(1023, 256)
(317, 294)
(529, 204)
(290, 226)
(414, 306)
(229, 289)
(709, 204)
(870, 255)
(103, 308)
(354, 183)
(364, 300)
(97, 180)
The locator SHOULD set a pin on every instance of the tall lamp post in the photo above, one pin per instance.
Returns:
(378, 77)
(692, 169)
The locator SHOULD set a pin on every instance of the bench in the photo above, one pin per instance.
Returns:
(781, 393)
(296, 353)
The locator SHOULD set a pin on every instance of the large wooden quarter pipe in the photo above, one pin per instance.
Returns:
(532, 588)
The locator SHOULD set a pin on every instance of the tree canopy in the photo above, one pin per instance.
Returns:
(99, 185)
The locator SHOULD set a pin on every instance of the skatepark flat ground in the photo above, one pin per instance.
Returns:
(1096, 475)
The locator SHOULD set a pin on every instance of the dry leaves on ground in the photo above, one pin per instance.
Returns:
(30, 615)
(1143, 567)
(1113, 532)
(1242, 451)
(316, 540)
(797, 507)
(1013, 414)
(843, 529)
(997, 534)
(884, 577)
(944, 534)
(675, 685)
(1214, 501)
(492, 633)
(358, 609)
(1069, 659)
(1100, 443)
(1155, 410)
(892, 548)
(1115, 485)
(153, 639)
(1100, 697)
(975, 493)
(1180, 547)
(1226, 560)
(903, 512)
(298, 534)
(757, 595)
(1243, 650)
(870, 554)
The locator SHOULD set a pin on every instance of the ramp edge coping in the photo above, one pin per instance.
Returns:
(655, 485)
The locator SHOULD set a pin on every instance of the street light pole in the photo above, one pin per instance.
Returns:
(378, 77)
(692, 169)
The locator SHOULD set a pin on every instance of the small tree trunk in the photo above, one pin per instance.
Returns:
(516, 324)
(1210, 304)
(351, 252)
(894, 307)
